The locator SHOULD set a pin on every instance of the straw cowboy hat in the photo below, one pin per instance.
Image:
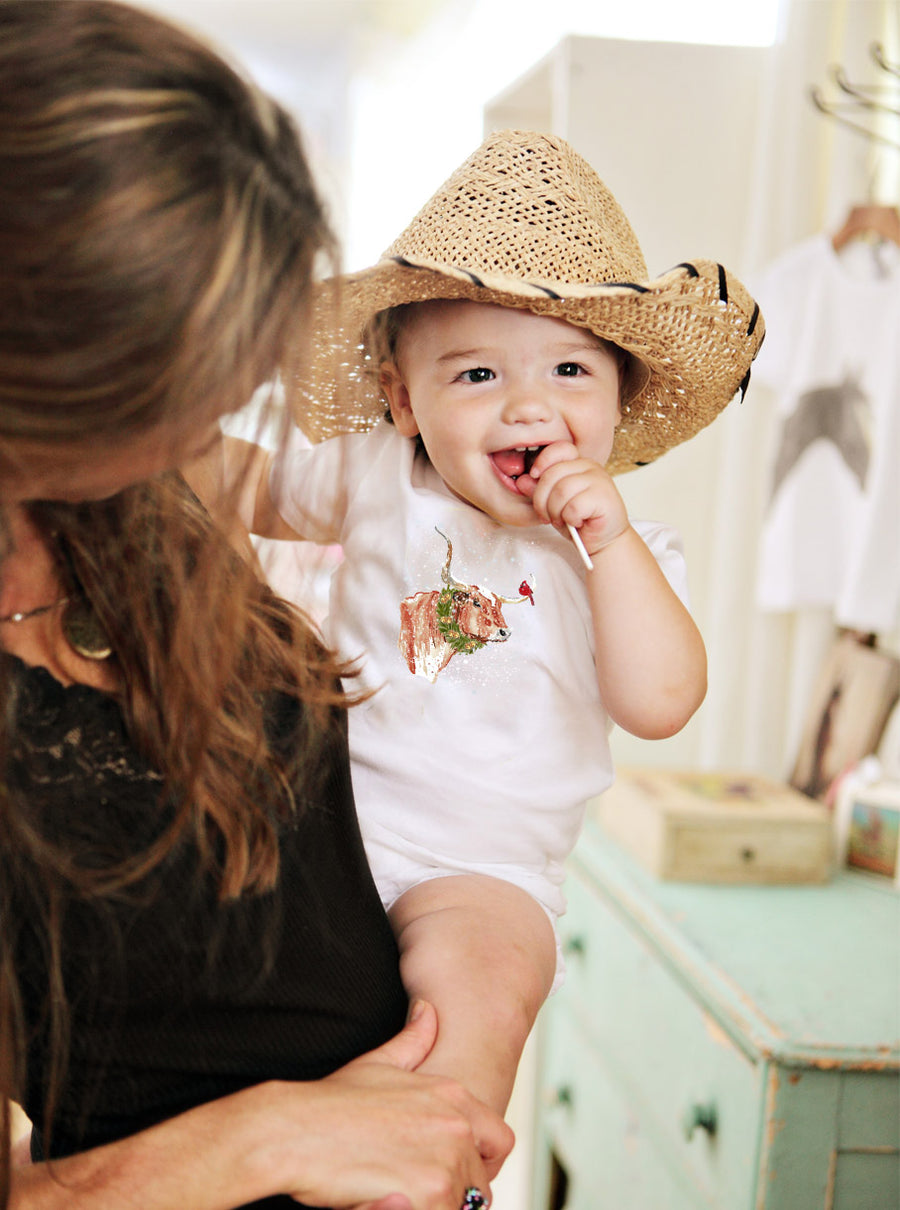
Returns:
(526, 222)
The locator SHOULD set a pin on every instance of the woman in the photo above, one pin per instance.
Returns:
(192, 952)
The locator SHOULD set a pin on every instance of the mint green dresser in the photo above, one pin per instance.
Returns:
(735, 1048)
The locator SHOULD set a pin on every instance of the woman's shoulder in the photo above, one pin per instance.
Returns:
(39, 699)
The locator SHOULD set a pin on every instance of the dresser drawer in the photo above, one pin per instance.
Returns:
(596, 1136)
(721, 1048)
(693, 1090)
(837, 1142)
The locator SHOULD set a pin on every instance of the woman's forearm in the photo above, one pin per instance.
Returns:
(373, 1128)
(209, 1158)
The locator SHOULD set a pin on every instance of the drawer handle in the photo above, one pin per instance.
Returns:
(699, 1117)
(554, 1097)
(575, 945)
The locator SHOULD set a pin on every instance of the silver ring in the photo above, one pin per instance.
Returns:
(474, 1199)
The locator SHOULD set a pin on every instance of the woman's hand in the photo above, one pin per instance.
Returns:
(379, 1136)
(375, 1135)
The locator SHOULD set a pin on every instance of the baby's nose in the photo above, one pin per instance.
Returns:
(525, 406)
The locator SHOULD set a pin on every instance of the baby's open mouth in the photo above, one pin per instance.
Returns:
(515, 462)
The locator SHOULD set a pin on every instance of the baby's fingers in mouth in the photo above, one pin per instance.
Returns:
(526, 486)
(517, 460)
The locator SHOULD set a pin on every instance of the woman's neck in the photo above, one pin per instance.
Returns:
(31, 585)
(29, 576)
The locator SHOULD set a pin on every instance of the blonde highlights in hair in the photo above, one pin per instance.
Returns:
(159, 232)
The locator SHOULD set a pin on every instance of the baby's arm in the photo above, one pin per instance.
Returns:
(232, 480)
(482, 951)
(650, 658)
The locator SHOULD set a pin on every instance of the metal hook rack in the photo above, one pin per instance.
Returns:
(863, 100)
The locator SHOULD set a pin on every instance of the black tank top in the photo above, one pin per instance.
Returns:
(176, 998)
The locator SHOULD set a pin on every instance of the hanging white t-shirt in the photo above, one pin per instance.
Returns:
(831, 535)
(486, 767)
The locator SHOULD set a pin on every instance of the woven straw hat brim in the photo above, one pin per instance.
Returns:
(695, 329)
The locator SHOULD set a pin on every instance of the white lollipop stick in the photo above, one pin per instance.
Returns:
(580, 547)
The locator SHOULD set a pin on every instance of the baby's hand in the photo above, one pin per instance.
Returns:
(571, 490)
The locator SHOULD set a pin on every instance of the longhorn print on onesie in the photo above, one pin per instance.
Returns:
(457, 619)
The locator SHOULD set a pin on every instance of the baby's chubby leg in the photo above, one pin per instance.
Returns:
(483, 952)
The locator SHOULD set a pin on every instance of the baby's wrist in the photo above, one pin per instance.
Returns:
(608, 540)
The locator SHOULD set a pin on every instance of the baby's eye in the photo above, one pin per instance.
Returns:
(569, 369)
(479, 374)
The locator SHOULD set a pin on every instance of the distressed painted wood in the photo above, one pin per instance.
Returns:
(720, 1047)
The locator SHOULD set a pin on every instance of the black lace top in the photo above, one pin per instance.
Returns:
(175, 998)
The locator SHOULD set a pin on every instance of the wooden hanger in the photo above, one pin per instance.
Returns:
(868, 222)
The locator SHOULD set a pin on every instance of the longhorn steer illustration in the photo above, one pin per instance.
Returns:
(457, 619)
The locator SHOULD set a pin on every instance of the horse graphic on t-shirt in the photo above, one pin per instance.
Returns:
(840, 413)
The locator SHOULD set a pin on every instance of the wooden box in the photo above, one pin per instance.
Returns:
(717, 827)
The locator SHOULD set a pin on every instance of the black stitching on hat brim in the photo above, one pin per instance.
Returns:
(477, 281)
(676, 287)
(667, 289)
(565, 292)
(622, 285)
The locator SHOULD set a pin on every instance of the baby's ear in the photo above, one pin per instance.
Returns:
(399, 402)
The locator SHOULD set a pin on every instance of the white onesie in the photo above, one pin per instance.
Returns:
(485, 768)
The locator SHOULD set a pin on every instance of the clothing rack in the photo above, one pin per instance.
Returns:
(860, 107)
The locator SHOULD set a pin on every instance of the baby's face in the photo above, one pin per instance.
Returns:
(487, 387)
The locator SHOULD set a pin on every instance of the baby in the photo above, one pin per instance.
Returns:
(524, 358)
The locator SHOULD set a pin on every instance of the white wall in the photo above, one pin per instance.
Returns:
(418, 106)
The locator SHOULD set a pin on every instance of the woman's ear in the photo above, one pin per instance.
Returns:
(397, 395)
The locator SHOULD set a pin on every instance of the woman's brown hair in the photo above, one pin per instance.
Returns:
(158, 228)
(159, 232)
